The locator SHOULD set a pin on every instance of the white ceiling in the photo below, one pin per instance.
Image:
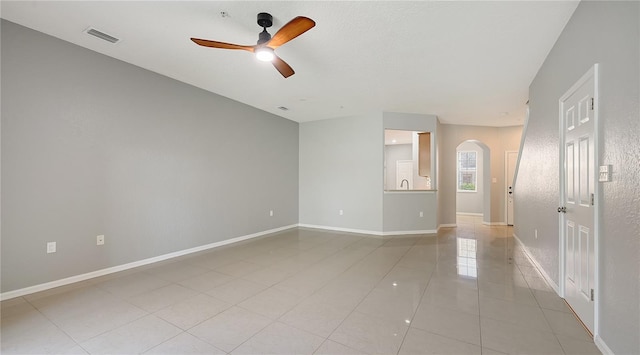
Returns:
(466, 62)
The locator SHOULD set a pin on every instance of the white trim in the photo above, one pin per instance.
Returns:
(449, 225)
(469, 214)
(593, 72)
(426, 231)
(110, 270)
(535, 263)
(340, 229)
(401, 192)
(364, 231)
(602, 346)
(598, 194)
(494, 223)
(561, 189)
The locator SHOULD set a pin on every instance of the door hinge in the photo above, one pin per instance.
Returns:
(593, 200)
(592, 294)
(593, 104)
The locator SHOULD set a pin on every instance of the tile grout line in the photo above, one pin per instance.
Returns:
(272, 287)
(555, 336)
(421, 297)
(478, 295)
(508, 237)
(356, 306)
(374, 287)
(55, 324)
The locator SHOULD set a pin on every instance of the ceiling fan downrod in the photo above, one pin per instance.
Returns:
(265, 21)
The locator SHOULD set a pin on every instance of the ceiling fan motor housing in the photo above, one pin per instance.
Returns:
(265, 20)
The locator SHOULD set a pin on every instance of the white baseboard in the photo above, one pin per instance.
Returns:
(340, 229)
(364, 231)
(535, 263)
(494, 223)
(450, 225)
(426, 231)
(602, 346)
(110, 270)
(470, 214)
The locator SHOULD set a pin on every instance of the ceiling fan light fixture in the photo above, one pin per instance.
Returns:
(264, 49)
(265, 54)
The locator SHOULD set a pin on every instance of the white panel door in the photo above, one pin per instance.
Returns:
(578, 202)
(512, 160)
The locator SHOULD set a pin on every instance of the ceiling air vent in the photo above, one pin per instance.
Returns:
(92, 31)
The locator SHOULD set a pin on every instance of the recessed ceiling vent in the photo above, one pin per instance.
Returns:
(103, 36)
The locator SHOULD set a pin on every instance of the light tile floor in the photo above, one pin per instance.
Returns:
(468, 290)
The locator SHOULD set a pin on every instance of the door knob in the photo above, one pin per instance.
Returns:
(562, 209)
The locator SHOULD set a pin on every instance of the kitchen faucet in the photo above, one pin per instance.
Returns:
(402, 183)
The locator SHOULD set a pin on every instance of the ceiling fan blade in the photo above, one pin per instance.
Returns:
(291, 30)
(223, 45)
(282, 67)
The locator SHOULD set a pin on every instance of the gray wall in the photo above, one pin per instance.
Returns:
(92, 145)
(472, 202)
(341, 169)
(498, 140)
(605, 33)
(402, 212)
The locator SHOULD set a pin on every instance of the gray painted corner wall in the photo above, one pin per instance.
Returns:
(341, 169)
(608, 33)
(498, 140)
(92, 145)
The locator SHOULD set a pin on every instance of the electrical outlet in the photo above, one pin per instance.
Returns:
(51, 247)
(341, 212)
(421, 214)
(271, 213)
(100, 240)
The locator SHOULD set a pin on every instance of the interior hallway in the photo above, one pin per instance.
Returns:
(311, 291)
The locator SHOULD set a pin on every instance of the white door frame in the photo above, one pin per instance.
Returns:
(592, 72)
(506, 181)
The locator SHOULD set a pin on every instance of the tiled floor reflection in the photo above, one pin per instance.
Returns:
(464, 291)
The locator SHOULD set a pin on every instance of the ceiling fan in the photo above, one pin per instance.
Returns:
(264, 49)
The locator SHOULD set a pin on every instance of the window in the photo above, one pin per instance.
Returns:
(467, 171)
